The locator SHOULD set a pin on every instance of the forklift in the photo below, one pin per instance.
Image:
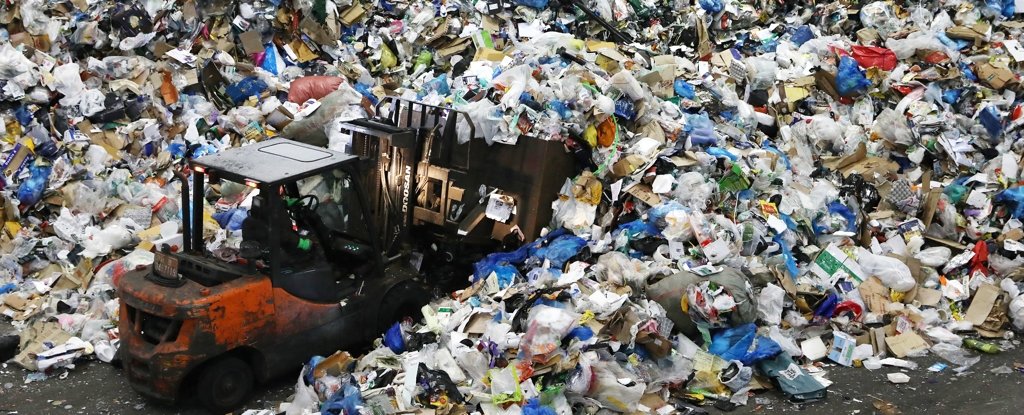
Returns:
(336, 248)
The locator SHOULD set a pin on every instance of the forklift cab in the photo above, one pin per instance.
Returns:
(307, 228)
(310, 280)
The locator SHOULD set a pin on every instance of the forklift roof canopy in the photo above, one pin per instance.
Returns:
(271, 162)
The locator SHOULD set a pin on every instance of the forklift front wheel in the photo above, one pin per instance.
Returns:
(224, 384)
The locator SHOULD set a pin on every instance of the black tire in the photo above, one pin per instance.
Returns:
(403, 300)
(224, 384)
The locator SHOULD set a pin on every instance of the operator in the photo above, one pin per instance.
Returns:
(256, 227)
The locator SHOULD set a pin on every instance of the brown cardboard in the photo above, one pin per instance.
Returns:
(645, 194)
(868, 36)
(826, 82)
(335, 365)
(487, 54)
(904, 344)
(16, 161)
(704, 48)
(620, 323)
(928, 296)
(981, 305)
(352, 14)
(994, 76)
(252, 42)
(877, 335)
(859, 162)
(34, 340)
(874, 294)
(477, 323)
(975, 33)
(655, 343)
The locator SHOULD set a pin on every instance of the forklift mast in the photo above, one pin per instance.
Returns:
(419, 177)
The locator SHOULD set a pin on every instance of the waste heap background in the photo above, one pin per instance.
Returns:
(760, 185)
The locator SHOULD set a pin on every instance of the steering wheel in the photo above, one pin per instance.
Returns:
(308, 202)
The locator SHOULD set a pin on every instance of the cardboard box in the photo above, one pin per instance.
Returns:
(833, 261)
(335, 365)
(842, 348)
(905, 344)
(995, 76)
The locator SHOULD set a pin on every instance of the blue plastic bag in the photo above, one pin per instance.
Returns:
(393, 338)
(712, 6)
(344, 402)
(533, 407)
(31, 190)
(231, 219)
(10, 287)
(241, 91)
(657, 214)
(703, 137)
(1015, 198)
(850, 79)
(560, 250)
(536, 4)
(742, 343)
(684, 89)
(638, 228)
(992, 121)
(951, 96)
(801, 35)
(270, 59)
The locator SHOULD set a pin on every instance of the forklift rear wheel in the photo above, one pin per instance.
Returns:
(224, 384)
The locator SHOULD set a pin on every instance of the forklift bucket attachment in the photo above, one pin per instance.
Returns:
(423, 176)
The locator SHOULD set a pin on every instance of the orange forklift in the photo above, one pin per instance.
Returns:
(335, 248)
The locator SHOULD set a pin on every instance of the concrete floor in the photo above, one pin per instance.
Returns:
(97, 388)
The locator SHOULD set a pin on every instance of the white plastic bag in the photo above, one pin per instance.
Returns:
(1017, 312)
(305, 400)
(893, 272)
(769, 304)
(934, 257)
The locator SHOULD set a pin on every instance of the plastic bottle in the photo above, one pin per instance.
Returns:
(981, 346)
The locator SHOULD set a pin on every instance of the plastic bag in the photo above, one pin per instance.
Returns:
(1017, 312)
(607, 389)
(872, 56)
(31, 190)
(742, 343)
(560, 250)
(305, 399)
(905, 48)
(312, 87)
(769, 304)
(394, 339)
(546, 327)
(712, 6)
(892, 127)
(935, 256)
(893, 272)
(486, 118)
(785, 341)
(850, 80)
(955, 355)
(310, 130)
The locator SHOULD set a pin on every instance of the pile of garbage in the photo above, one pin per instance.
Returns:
(760, 184)
(765, 191)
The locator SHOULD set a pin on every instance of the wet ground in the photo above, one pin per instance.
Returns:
(99, 388)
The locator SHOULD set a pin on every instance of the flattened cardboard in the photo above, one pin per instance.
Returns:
(904, 344)
(644, 193)
(252, 42)
(984, 299)
(874, 294)
(928, 296)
